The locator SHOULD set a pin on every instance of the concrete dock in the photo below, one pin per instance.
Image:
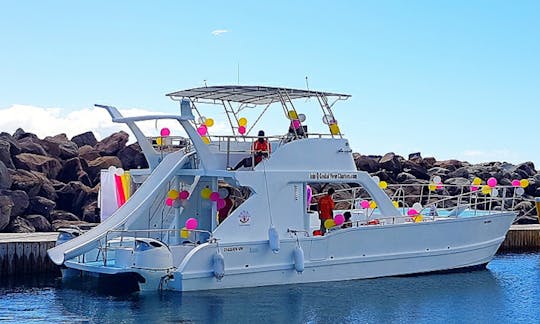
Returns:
(26, 253)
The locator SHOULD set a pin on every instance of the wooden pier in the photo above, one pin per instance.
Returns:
(26, 253)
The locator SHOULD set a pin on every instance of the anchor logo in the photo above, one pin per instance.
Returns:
(244, 218)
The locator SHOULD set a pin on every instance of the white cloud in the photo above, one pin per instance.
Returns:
(218, 32)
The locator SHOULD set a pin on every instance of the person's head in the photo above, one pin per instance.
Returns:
(261, 136)
(331, 191)
(347, 216)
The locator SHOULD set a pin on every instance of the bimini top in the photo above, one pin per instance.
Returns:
(250, 94)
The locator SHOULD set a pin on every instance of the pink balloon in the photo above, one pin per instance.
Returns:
(169, 202)
(191, 224)
(242, 130)
(439, 186)
(412, 212)
(516, 183)
(214, 196)
(474, 188)
(492, 182)
(339, 219)
(364, 204)
(309, 194)
(221, 203)
(165, 132)
(183, 194)
(202, 130)
(296, 124)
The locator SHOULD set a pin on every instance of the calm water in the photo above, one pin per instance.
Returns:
(508, 292)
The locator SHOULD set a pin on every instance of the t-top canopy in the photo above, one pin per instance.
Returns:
(250, 94)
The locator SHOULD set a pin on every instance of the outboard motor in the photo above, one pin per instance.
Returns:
(152, 254)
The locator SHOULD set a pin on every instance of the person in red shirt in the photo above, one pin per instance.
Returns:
(261, 149)
(326, 208)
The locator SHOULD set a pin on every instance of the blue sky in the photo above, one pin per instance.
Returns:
(451, 79)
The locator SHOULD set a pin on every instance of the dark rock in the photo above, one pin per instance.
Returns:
(459, 173)
(390, 162)
(20, 134)
(6, 205)
(39, 222)
(72, 170)
(41, 206)
(384, 176)
(112, 144)
(5, 155)
(365, 163)
(415, 157)
(20, 201)
(91, 213)
(60, 223)
(527, 169)
(63, 215)
(83, 139)
(524, 216)
(14, 148)
(32, 145)
(47, 189)
(88, 153)
(132, 157)
(104, 162)
(417, 170)
(5, 178)
(26, 181)
(451, 165)
(19, 225)
(60, 146)
(32, 162)
(404, 176)
(74, 195)
(429, 162)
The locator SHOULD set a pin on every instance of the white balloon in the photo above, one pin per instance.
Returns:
(417, 207)
(376, 179)
(302, 118)
(437, 179)
(327, 119)
(494, 192)
(223, 193)
(177, 203)
(119, 172)
(520, 191)
(112, 169)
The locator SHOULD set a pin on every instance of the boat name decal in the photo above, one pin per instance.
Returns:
(333, 175)
(233, 249)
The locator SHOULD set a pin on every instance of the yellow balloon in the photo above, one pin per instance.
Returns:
(383, 184)
(329, 223)
(292, 114)
(372, 204)
(334, 129)
(486, 189)
(206, 192)
(173, 194)
(476, 181)
(209, 122)
(205, 140)
(432, 187)
(159, 141)
(395, 203)
(242, 122)
(523, 183)
(184, 233)
(418, 218)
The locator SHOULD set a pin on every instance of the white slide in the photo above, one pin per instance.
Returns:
(135, 206)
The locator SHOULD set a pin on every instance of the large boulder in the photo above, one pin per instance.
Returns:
(72, 170)
(47, 189)
(60, 223)
(83, 139)
(6, 204)
(390, 162)
(113, 144)
(91, 213)
(74, 195)
(365, 163)
(41, 206)
(14, 148)
(26, 181)
(32, 145)
(60, 146)
(39, 222)
(451, 165)
(20, 201)
(19, 225)
(33, 162)
(416, 169)
(526, 169)
(5, 155)
(63, 215)
(132, 157)
(104, 162)
(88, 153)
(21, 133)
(5, 177)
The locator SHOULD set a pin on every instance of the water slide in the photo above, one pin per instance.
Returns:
(127, 215)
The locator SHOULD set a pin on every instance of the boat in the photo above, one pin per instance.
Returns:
(166, 235)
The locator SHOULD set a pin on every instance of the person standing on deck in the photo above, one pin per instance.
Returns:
(326, 208)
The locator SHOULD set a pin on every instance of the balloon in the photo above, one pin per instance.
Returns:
(177, 203)
(292, 114)
(296, 124)
(334, 129)
(364, 204)
(221, 203)
(524, 183)
(173, 194)
(214, 196)
(183, 194)
(327, 119)
(477, 181)
(376, 179)
(417, 206)
(439, 186)
(492, 182)
(242, 130)
(205, 193)
(474, 188)
(191, 223)
(223, 193)
(417, 218)
(395, 203)
(339, 219)
(165, 132)
(437, 179)
(202, 130)
(383, 184)
(206, 140)
(202, 120)
(309, 195)
(329, 223)
(520, 191)
(184, 233)
(112, 169)
(209, 122)
(302, 118)
(412, 212)
(242, 122)
(159, 141)
(516, 183)
(486, 189)
(432, 187)
(169, 202)
(372, 204)
(119, 172)
(494, 192)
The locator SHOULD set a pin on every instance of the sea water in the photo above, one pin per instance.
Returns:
(507, 292)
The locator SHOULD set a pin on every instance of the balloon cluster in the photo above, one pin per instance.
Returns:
(414, 212)
(191, 224)
(176, 198)
(332, 124)
(296, 119)
(203, 128)
(436, 183)
(164, 132)
(368, 204)
(242, 123)
(520, 186)
(215, 196)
